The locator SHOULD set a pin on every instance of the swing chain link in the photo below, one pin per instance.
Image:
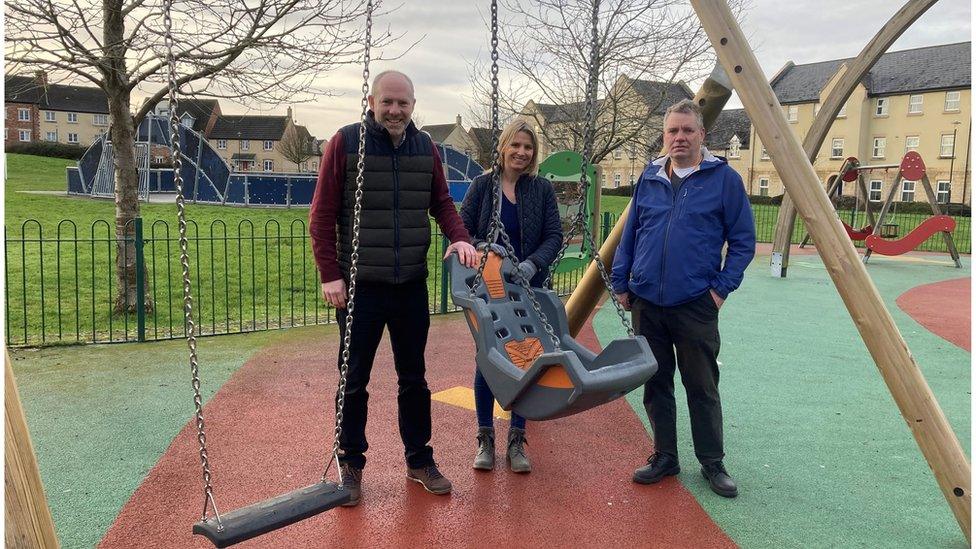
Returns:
(495, 227)
(354, 256)
(190, 328)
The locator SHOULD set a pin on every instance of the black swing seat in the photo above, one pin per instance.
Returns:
(516, 355)
(271, 514)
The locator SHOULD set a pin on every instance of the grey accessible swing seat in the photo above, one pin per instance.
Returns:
(518, 359)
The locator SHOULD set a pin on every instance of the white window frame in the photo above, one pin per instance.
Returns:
(939, 192)
(51, 136)
(158, 159)
(834, 148)
(952, 101)
(23, 115)
(315, 167)
(908, 142)
(764, 155)
(99, 120)
(222, 144)
(879, 146)
(75, 136)
(735, 147)
(616, 180)
(881, 106)
(72, 118)
(915, 102)
(792, 113)
(871, 190)
(763, 186)
(24, 135)
(268, 145)
(50, 116)
(947, 145)
(245, 144)
(907, 191)
(618, 153)
(268, 165)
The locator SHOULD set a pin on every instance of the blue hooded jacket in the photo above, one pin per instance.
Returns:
(670, 251)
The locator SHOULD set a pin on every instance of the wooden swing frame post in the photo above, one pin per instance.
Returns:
(898, 368)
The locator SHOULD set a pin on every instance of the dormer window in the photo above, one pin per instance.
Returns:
(735, 145)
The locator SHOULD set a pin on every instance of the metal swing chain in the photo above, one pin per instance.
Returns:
(354, 256)
(589, 135)
(496, 227)
(191, 340)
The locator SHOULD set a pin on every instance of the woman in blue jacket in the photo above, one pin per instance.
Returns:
(530, 216)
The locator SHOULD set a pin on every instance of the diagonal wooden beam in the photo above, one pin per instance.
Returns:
(899, 370)
(855, 72)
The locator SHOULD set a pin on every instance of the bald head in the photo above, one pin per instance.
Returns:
(392, 102)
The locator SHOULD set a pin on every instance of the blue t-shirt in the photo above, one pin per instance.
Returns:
(510, 221)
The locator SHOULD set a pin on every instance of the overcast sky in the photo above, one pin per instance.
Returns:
(453, 34)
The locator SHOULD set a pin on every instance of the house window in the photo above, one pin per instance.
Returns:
(51, 136)
(269, 165)
(617, 154)
(187, 121)
(72, 138)
(735, 147)
(631, 179)
(23, 115)
(100, 119)
(837, 148)
(874, 194)
(763, 186)
(245, 145)
(915, 104)
(942, 194)
(268, 145)
(764, 155)
(315, 166)
(952, 101)
(158, 160)
(908, 191)
(843, 111)
(222, 144)
(50, 116)
(616, 180)
(947, 149)
(881, 106)
(24, 135)
(878, 151)
(911, 143)
(792, 113)
(72, 118)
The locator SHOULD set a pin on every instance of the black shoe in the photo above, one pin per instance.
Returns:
(352, 482)
(658, 466)
(719, 480)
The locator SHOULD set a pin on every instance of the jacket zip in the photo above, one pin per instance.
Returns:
(396, 218)
(675, 205)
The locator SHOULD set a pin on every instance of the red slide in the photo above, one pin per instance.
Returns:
(911, 240)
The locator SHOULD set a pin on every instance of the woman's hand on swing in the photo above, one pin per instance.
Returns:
(466, 253)
(335, 293)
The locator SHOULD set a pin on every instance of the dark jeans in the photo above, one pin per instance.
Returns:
(484, 404)
(689, 331)
(402, 309)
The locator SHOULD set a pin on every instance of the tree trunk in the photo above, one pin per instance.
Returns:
(126, 171)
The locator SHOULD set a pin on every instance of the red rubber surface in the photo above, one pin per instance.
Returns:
(270, 428)
(943, 308)
(910, 241)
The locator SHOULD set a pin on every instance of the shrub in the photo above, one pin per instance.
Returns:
(47, 148)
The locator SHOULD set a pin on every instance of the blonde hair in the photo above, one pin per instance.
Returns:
(508, 135)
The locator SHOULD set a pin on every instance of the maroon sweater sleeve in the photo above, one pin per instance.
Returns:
(324, 212)
(442, 205)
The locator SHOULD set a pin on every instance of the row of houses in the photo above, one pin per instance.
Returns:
(911, 100)
(38, 111)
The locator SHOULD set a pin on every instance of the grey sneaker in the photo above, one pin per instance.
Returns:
(432, 479)
(485, 458)
(518, 461)
(352, 482)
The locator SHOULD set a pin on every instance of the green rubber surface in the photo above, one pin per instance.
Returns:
(813, 437)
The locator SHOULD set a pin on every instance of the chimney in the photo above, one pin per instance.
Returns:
(459, 120)
(41, 78)
(289, 113)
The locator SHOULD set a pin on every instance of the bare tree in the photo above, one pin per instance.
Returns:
(296, 145)
(254, 51)
(544, 50)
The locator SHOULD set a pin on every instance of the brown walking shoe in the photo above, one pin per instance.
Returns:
(352, 482)
(431, 479)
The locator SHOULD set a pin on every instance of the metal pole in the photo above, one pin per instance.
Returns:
(140, 282)
(952, 161)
